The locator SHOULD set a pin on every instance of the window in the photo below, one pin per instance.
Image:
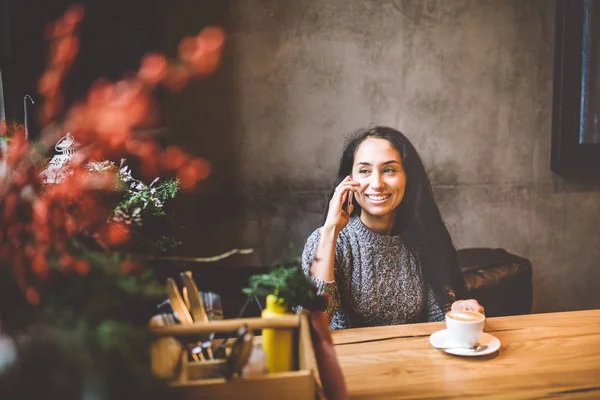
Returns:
(576, 109)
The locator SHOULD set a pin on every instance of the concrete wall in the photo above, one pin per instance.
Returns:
(469, 81)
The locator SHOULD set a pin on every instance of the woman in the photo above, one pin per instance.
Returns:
(383, 254)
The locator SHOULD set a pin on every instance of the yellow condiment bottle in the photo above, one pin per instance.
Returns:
(277, 343)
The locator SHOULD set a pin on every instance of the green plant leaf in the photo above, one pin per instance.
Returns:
(289, 284)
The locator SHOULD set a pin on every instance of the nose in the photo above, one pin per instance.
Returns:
(376, 181)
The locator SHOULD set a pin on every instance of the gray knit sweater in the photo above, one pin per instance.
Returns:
(378, 281)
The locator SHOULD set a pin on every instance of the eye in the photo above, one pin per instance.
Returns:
(363, 171)
(389, 170)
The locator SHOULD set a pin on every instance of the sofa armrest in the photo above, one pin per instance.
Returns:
(499, 280)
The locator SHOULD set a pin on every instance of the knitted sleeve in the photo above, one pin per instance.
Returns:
(329, 288)
(436, 309)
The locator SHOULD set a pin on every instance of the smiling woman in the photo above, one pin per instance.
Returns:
(383, 254)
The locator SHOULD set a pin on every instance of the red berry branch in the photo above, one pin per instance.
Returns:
(38, 222)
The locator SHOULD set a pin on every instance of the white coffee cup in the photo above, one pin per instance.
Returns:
(464, 327)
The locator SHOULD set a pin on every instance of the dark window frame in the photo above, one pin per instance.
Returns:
(569, 157)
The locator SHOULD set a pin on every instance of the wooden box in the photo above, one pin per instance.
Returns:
(202, 379)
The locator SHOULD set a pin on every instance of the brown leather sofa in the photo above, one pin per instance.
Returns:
(499, 280)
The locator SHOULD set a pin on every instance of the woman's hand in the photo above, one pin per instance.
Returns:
(468, 305)
(337, 215)
(337, 218)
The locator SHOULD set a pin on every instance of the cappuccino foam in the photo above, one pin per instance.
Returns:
(465, 316)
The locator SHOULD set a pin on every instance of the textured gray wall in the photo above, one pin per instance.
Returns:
(469, 81)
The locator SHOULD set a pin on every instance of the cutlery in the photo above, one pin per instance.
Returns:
(212, 304)
(474, 348)
(197, 310)
(240, 351)
(181, 310)
(214, 310)
(177, 303)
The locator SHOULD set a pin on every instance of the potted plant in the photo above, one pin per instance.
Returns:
(285, 289)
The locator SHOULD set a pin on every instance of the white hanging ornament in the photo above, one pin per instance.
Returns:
(58, 168)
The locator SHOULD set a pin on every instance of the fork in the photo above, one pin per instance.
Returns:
(214, 311)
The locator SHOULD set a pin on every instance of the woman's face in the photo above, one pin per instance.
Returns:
(378, 168)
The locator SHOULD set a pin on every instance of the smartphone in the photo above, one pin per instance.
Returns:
(348, 201)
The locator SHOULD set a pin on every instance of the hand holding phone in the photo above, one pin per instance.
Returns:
(340, 205)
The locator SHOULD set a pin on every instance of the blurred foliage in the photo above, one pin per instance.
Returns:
(38, 157)
(101, 317)
(142, 207)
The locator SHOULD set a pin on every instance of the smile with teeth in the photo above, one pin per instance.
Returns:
(378, 197)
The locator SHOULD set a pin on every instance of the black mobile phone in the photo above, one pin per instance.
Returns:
(346, 205)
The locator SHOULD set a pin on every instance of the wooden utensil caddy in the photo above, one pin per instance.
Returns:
(203, 380)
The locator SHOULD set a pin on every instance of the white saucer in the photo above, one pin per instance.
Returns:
(440, 339)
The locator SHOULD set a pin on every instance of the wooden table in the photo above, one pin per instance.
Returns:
(542, 356)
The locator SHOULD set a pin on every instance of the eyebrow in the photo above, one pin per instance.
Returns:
(384, 163)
